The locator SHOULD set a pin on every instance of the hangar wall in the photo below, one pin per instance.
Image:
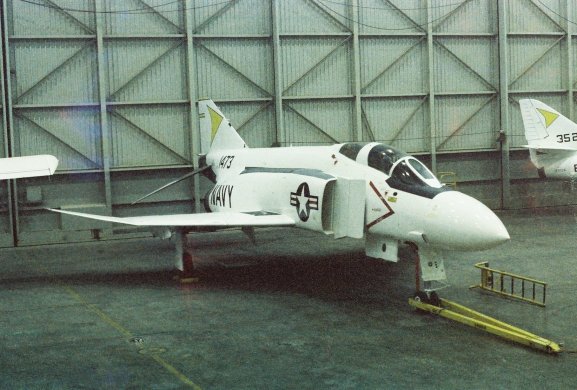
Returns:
(109, 87)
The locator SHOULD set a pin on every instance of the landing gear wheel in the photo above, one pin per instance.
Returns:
(434, 299)
(188, 270)
(421, 296)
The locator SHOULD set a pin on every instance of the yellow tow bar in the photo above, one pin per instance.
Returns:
(464, 315)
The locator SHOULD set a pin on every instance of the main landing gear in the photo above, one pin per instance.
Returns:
(184, 261)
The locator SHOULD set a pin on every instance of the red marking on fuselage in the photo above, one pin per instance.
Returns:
(384, 216)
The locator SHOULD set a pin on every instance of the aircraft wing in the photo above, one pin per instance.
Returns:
(27, 166)
(211, 220)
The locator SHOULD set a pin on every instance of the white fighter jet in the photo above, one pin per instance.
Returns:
(552, 140)
(371, 191)
(27, 166)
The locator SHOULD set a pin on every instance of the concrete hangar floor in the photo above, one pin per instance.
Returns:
(298, 311)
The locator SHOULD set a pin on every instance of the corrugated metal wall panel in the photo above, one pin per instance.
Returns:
(46, 19)
(254, 121)
(308, 17)
(219, 80)
(145, 70)
(134, 17)
(318, 122)
(241, 17)
(74, 135)
(54, 72)
(300, 55)
(466, 64)
(394, 17)
(464, 17)
(327, 72)
(150, 136)
(251, 58)
(536, 18)
(466, 123)
(536, 64)
(393, 65)
(398, 122)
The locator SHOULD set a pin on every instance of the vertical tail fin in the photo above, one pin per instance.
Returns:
(546, 128)
(551, 137)
(216, 132)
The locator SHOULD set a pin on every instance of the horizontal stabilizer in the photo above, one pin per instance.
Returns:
(567, 148)
(27, 166)
(211, 220)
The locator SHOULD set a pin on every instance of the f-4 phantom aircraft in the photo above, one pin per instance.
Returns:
(552, 140)
(371, 191)
(27, 166)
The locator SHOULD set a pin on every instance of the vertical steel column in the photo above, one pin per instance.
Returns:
(570, 78)
(105, 129)
(192, 98)
(8, 120)
(358, 130)
(278, 103)
(431, 75)
(504, 103)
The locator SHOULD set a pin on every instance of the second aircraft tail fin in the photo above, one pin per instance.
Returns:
(545, 128)
(550, 135)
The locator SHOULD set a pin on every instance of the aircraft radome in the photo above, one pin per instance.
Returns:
(371, 191)
(27, 166)
(552, 140)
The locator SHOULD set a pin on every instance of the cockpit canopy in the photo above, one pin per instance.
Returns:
(405, 172)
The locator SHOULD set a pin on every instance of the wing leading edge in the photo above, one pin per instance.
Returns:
(212, 220)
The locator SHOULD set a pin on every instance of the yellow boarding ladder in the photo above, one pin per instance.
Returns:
(511, 285)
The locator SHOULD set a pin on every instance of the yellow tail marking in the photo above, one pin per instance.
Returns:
(549, 116)
(215, 121)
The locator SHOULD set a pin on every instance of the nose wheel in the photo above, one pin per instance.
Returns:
(423, 288)
(432, 298)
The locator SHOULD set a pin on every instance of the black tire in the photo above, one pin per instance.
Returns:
(434, 299)
(421, 296)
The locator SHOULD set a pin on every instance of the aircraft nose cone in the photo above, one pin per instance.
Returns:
(468, 223)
